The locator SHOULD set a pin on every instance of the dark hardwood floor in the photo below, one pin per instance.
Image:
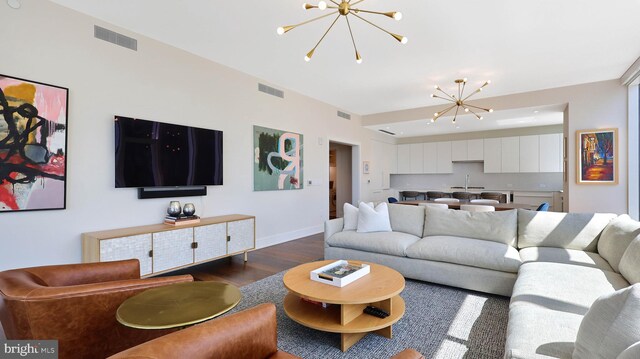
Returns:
(262, 262)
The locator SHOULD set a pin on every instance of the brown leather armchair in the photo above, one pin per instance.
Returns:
(76, 304)
(249, 334)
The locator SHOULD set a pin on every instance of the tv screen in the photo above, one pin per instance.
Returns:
(156, 154)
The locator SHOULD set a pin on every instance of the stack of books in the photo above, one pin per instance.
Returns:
(181, 220)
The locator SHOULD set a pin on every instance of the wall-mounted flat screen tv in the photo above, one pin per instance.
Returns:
(156, 154)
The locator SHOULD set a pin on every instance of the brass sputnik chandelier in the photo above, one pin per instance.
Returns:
(344, 8)
(459, 101)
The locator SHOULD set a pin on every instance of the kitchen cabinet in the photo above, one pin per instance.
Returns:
(492, 155)
(416, 154)
(510, 154)
(444, 164)
(529, 153)
(475, 150)
(430, 157)
(404, 159)
(459, 151)
(551, 153)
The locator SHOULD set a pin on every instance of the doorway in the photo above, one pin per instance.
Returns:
(340, 178)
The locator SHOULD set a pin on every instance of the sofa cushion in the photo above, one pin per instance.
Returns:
(615, 239)
(632, 352)
(407, 219)
(548, 303)
(393, 243)
(561, 230)
(373, 219)
(491, 226)
(467, 251)
(630, 262)
(351, 216)
(562, 255)
(611, 325)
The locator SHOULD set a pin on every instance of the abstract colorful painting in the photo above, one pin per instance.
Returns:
(33, 145)
(597, 159)
(277, 160)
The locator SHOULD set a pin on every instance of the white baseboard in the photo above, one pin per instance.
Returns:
(288, 236)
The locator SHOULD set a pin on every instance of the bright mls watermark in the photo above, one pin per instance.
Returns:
(41, 349)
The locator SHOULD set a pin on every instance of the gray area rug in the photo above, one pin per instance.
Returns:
(439, 322)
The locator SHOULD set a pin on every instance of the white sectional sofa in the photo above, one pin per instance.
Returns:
(553, 265)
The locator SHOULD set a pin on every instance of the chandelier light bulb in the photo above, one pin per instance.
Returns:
(397, 16)
(322, 5)
(481, 118)
(305, 6)
(433, 120)
(432, 95)
(359, 61)
(280, 30)
(435, 114)
(307, 58)
(466, 110)
(490, 110)
(488, 81)
(436, 87)
(464, 80)
(404, 40)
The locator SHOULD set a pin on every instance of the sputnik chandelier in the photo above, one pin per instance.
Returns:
(344, 8)
(459, 101)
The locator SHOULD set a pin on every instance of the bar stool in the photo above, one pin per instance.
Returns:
(477, 208)
(410, 194)
(463, 195)
(434, 194)
(447, 200)
(500, 197)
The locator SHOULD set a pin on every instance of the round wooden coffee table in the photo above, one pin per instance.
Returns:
(380, 288)
(178, 305)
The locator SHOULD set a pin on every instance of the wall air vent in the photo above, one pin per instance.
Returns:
(387, 132)
(270, 90)
(344, 115)
(115, 38)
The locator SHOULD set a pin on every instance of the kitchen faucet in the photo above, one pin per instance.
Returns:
(466, 182)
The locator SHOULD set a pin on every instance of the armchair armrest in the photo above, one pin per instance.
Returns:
(247, 334)
(332, 227)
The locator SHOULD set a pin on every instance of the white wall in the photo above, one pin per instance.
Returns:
(589, 106)
(51, 44)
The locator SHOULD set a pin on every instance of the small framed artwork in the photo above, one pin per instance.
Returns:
(597, 156)
(365, 167)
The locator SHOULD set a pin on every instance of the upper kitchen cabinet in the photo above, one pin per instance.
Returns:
(510, 154)
(492, 155)
(444, 151)
(430, 156)
(404, 159)
(475, 150)
(416, 158)
(529, 153)
(551, 153)
(468, 150)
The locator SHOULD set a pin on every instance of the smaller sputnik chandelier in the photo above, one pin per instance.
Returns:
(344, 8)
(459, 101)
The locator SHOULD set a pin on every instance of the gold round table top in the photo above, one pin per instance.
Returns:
(178, 305)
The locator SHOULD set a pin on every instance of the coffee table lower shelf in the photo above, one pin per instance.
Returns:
(357, 324)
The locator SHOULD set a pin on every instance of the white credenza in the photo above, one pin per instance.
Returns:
(161, 248)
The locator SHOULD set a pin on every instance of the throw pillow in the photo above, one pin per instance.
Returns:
(351, 216)
(611, 325)
(632, 352)
(615, 239)
(630, 262)
(373, 219)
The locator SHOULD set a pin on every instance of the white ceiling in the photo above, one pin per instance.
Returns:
(521, 46)
(498, 120)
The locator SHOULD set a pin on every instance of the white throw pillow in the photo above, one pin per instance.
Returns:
(373, 219)
(351, 216)
(611, 325)
(630, 262)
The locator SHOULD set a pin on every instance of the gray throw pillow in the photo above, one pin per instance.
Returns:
(615, 239)
(611, 325)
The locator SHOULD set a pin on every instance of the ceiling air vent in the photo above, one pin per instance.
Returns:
(387, 132)
(115, 38)
(344, 115)
(270, 90)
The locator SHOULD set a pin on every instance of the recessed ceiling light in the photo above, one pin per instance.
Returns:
(536, 111)
(14, 4)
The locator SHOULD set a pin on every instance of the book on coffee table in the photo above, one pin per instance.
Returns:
(340, 273)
